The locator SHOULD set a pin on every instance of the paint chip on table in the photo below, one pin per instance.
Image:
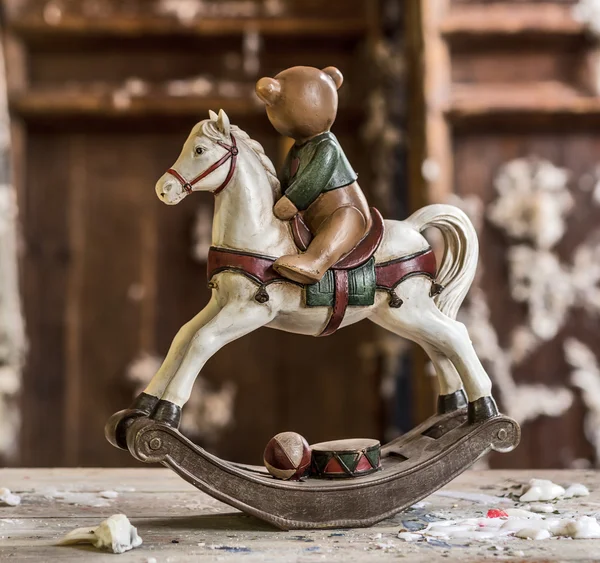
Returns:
(115, 534)
(9, 499)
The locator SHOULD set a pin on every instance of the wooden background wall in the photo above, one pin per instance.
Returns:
(107, 271)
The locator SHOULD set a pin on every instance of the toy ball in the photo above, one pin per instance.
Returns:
(287, 456)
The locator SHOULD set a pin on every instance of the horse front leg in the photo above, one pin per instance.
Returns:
(234, 320)
(143, 405)
(172, 361)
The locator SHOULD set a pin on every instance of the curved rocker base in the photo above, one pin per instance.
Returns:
(413, 466)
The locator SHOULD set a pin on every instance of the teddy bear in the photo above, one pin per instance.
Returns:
(317, 180)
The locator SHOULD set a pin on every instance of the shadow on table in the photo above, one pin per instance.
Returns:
(234, 522)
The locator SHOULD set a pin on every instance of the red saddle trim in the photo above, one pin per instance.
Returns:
(340, 302)
(259, 269)
(389, 274)
(356, 257)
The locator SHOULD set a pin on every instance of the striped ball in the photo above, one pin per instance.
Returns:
(287, 456)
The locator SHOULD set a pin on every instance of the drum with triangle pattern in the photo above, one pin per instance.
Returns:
(345, 458)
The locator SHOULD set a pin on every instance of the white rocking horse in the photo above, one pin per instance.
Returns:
(412, 300)
(221, 158)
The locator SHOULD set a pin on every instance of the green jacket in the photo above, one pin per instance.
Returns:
(317, 166)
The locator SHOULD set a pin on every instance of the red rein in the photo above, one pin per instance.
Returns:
(232, 152)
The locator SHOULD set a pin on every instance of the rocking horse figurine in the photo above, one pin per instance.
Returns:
(305, 254)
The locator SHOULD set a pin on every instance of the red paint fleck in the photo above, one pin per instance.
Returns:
(496, 513)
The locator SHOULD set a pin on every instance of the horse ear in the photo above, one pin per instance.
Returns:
(213, 116)
(223, 123)
(268, 90)
(335, 75)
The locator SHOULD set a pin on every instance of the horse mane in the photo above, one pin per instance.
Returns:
(209, 128)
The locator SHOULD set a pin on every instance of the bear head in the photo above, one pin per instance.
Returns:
(301, 101)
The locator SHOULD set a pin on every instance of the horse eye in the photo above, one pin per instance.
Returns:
(199, 150)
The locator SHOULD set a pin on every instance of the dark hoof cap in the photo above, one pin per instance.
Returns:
(116, 428)
(144, 402)
(168, 413)
(452, 402)
(482, 409)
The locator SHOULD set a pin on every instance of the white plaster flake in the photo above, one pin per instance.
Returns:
(537, 278)
(586, 377)
(115, 534)
(525, 525)
(541, 489)
(13, 343)
(9, 499)
(576, 490)
(251, 46)
(587, 12)
(187, 11)
(585, 274)
(379, 131)
(430, 170)
(533, 201)
(196, 86)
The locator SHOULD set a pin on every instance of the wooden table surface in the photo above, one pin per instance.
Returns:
(179, 523)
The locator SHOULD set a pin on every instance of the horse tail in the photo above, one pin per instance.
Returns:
(461, 250)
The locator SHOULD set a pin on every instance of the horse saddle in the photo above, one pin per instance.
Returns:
(361, 253)
(353, 281)
(349, 282)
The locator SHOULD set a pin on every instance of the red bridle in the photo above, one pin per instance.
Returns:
(232, 152)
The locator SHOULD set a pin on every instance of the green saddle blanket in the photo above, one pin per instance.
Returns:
(361, 288)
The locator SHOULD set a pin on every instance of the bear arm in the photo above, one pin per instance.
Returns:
(315, 176)
(284, 173)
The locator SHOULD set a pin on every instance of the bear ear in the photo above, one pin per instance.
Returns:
(212, 115)
(223, 124)
(335, 75)
(268, 90)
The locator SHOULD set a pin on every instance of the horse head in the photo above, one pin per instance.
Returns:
(206, 163)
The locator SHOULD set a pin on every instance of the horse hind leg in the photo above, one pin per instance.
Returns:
(421, 321)
(452, 395)
(452, 338)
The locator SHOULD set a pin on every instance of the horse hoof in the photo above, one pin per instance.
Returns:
(116, 428)
(451, 402)
(117, 425)
(482, 409)
(167, 413)
(144, 402)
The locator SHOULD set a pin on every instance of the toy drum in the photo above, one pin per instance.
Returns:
(345, 458)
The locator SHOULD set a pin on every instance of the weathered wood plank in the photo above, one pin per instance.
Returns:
(45, 266)
(509, 19)
(78, 26)
(546, 98)
(57, 103)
